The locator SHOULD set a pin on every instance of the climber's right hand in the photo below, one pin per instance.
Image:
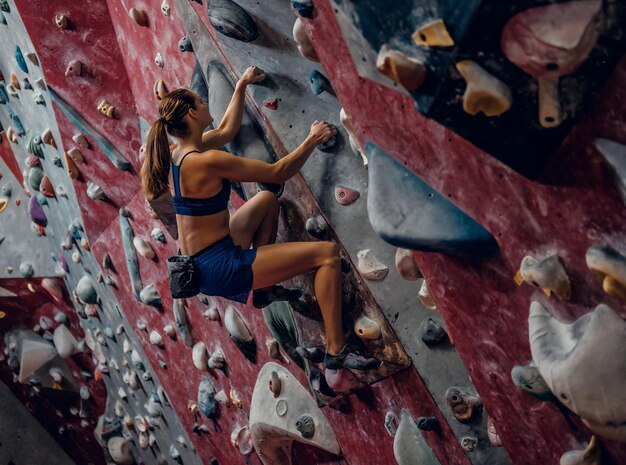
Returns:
(321, 131)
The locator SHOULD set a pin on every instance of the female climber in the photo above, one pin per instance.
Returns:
(235, 254)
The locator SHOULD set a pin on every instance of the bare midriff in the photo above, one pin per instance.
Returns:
(197, 232)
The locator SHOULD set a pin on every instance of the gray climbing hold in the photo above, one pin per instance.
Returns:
(180, 316)
(528, 379)
(206, 398)
(582, 363)
(4, 6)
(274, 430)
(468, 443)
(150, 296)
(231, 20)
(610, 264)
(370, 267)
(86, 291)
(410, 446)
(26, 269)
(34, 143)
(316, 226)
(432, 331)
(318, 82)
(35, 175)
(239, 333)
(282, 325)
(407, 212)
(131, 254)
(391, 423)
(184, 44)
(7, 190)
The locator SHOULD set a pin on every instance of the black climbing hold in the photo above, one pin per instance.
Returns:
(303, 7)
(184, 44)
(427, 423)
(432, 331)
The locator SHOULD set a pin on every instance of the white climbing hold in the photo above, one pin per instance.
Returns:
(426, 297)
(95, 192)
(64, 341)
(406, 265)
(199, 355)
(369, 266)
(156, 338)
(143, 248)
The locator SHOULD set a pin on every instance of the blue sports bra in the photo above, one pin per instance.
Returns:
(198, 207)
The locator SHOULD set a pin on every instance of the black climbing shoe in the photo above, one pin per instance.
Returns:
(312, 354)
(263, 297)
(350, 358)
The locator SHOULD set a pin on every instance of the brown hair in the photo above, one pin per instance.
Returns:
(156, 167)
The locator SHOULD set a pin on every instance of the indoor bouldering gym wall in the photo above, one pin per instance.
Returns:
(475, 187)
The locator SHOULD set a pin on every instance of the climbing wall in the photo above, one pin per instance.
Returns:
(179, 381)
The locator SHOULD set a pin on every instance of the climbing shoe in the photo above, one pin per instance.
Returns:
(350, 358)
(263, 297)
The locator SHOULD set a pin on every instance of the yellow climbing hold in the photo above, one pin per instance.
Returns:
(433, 34)
(106, 108)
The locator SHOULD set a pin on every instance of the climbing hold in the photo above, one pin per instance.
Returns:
(106, 108)
(37, 215)
(468, 443)
(156, 338)
(32, 56)
(180, 316)
(184, 44)
(547, 274)
(302, 40)
(62, 21)
(303, 7)
(235, 399)
(305, 425)
(492, 433)
(41, 83)
(144, 248)
(273, 433)
(407, 212)
(580, 364)
(159, 61)
(217, 360)
(212, 314)
(484, 92)
(409, 445)
(86, 291)
(433, 34)
(70, 167)
(64, 341)
(4, 6)
(610, 264)
(160, 89)
(11, 135)
(318, 82)
(131, 256)
(74, 68)
(614, 154)
(271, 103)
(149, 295)
(38, 98)
(95, 192)
(33, 143)
(462, 404)
(48, 138)
(345, 196)
(432, 332)
(367, 328)
(12, 91)
(20, 59)
(239, 333)
(242, 440)
(316, 227)
(165, 8)
(120, 450)
(199, 355)
(329, 145)
(592, 455)
(369, 266)
(53, 288)
(3, 204)
(170, 331)
(15, 82)
(275, 384)
(400, 68)
(4, 96)
(26, 84)
(139, 16)
(273, 349)
(231, 20)
(406, 265)
(81, 141)
(391, 423)
(158, 235)
(7, 190)
(341, 380)
(427, 423)
(206, 398)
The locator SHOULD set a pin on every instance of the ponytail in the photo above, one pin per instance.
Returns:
(156, 167)
(155, 170)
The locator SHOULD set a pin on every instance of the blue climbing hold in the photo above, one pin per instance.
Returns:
(318, 82)
(303, 7)
(4, 96)
(20, 59)
(407, 212)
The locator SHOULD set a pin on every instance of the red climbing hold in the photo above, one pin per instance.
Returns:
(345, 196)
(46, 187)
(271, 103)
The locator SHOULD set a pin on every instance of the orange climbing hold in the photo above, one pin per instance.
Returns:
(72, 170)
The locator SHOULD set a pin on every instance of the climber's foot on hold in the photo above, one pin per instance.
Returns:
(263, 297)
(349, 357)
(312, 354)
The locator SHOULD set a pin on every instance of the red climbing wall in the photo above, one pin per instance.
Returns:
(573, 207)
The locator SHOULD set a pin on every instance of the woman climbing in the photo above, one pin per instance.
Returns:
(235, 254)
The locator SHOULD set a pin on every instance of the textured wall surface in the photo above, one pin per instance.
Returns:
(572, 206)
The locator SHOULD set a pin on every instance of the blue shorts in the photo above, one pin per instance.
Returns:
(225, 270)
